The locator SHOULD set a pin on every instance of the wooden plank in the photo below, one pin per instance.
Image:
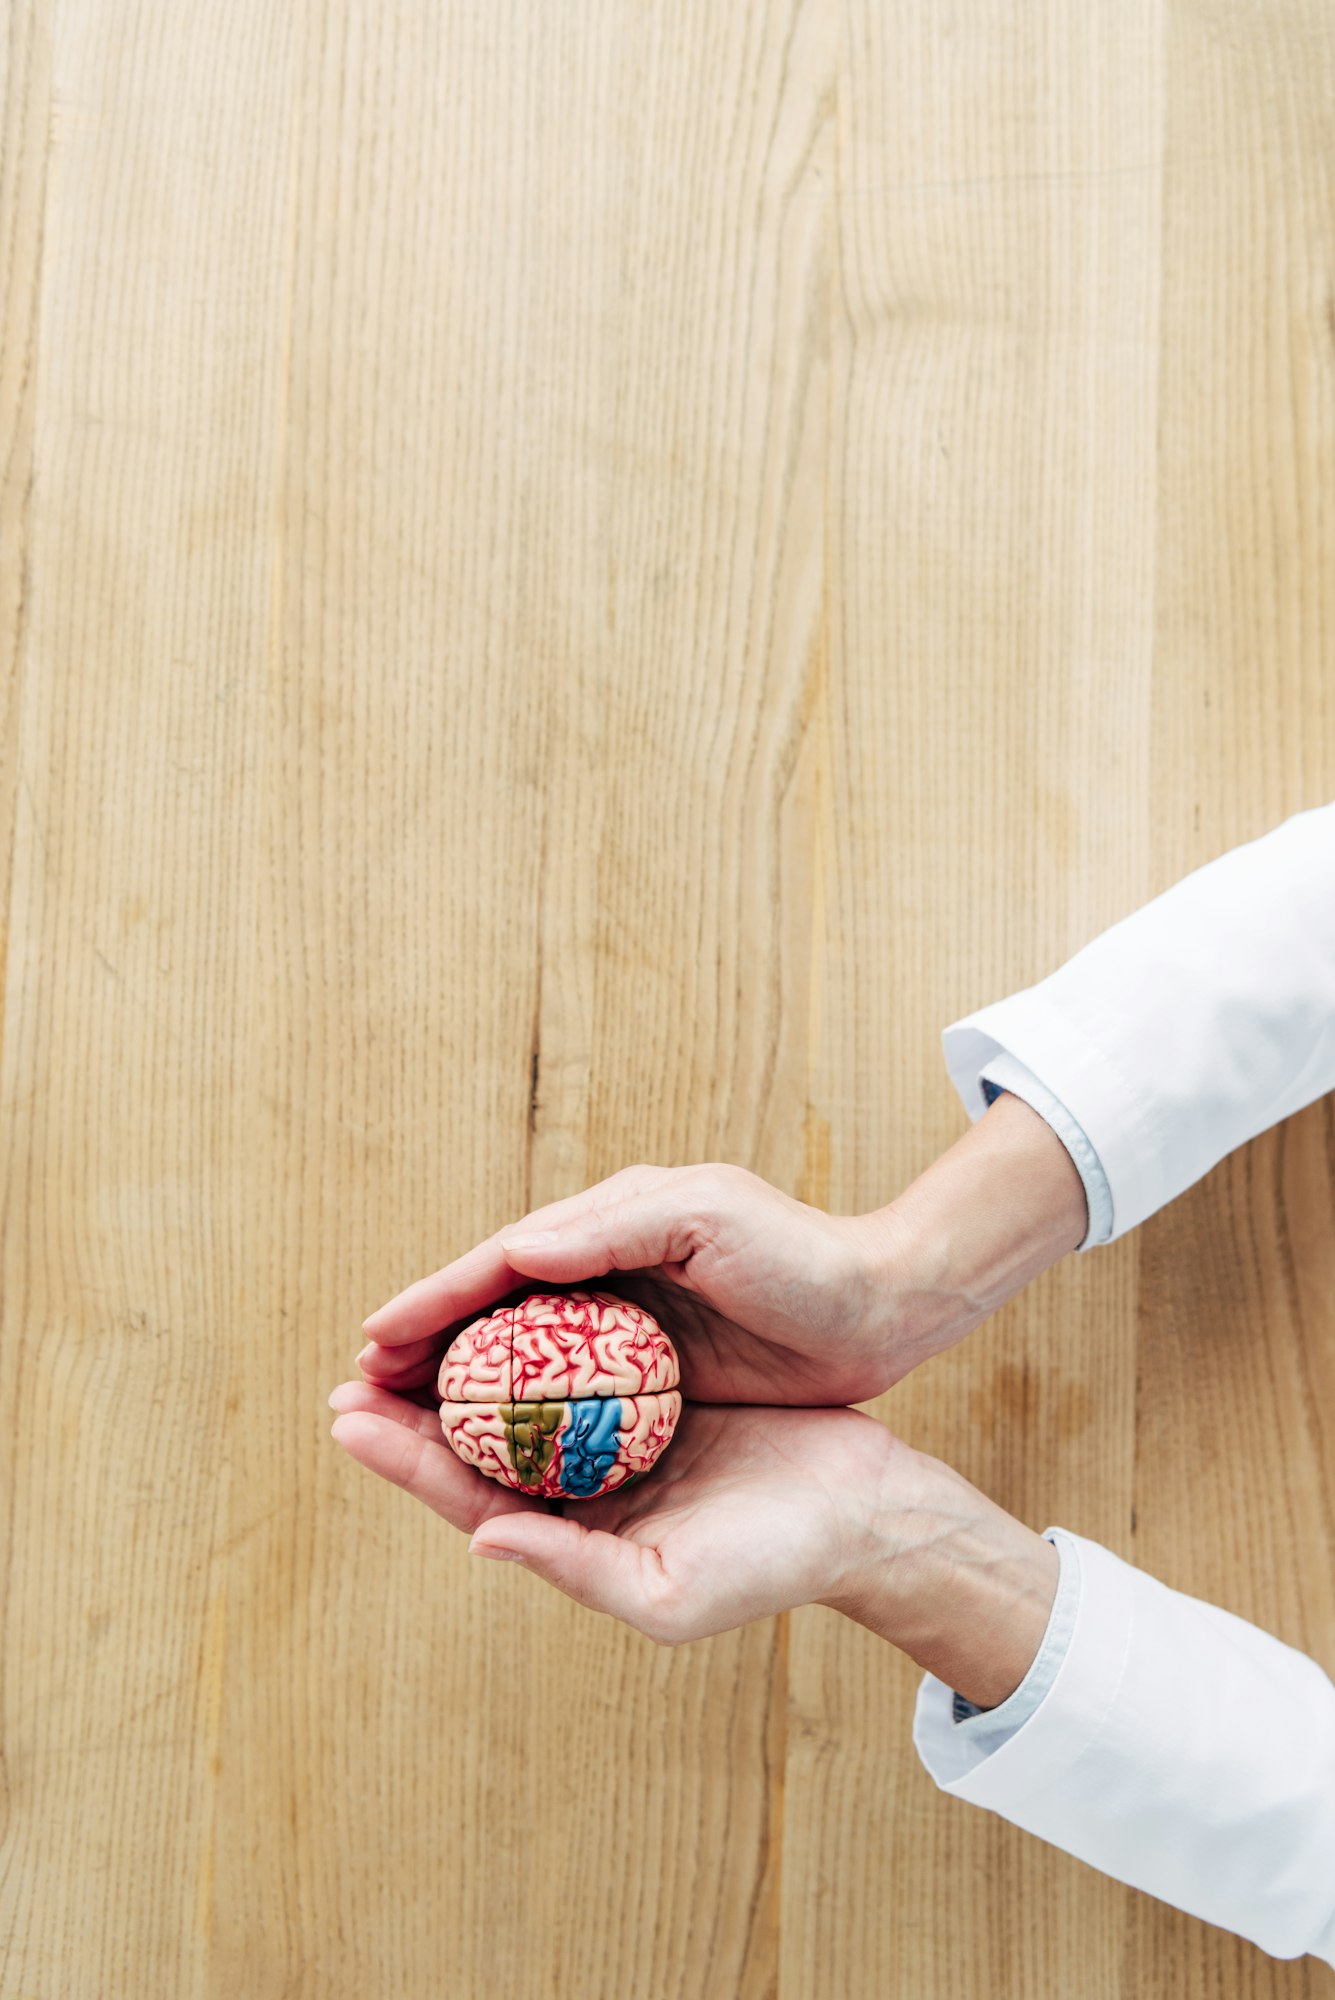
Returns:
(476, 736)
(127, 1097)
(25, 113)
(1235, 1447)
(992, 561)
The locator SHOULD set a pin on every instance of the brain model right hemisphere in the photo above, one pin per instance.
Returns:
(565, 1396)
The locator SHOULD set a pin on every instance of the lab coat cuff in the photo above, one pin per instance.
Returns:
(1083, 1690)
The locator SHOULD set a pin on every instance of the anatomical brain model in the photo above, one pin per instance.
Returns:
(566, 1395)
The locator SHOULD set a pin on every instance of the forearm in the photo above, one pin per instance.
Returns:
(951, 1579)
(1001, 1205)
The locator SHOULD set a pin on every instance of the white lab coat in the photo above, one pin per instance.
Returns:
(1178, 1748)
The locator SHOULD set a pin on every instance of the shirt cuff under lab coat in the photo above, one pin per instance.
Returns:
(980, 1731)
(1005, 1074)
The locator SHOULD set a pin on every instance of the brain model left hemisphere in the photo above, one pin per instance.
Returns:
(564, 1396)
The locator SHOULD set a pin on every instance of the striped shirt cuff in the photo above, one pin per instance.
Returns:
(1001, 1073)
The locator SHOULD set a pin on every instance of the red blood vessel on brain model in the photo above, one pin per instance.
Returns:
(566, 1395)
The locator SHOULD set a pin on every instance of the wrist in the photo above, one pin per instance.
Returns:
(951, 1579)
(1004, 1203)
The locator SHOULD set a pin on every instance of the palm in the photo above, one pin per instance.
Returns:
(751, 1511)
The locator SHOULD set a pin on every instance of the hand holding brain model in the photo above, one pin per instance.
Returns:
(770, 1302)
(752, 1511)
(563, 1396)
(766, 1299)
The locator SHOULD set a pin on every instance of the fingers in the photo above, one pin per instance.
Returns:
(458, 1292)
(366, 1396)
(402, 1443)
(380, 1366)
(394, 1447)
(484, 1274)
(409, 1367)
(623, 1578)
(634, 1232)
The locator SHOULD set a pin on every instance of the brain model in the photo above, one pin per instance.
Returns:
(565, 1395)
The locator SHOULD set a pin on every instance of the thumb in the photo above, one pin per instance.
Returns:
(624, 1579)
(662, 1226)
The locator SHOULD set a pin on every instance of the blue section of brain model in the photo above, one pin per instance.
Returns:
(588, 1445)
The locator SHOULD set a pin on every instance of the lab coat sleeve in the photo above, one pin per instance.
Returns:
(1190, 1026)
(1179, 1749)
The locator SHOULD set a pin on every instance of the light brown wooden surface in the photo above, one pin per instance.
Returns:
(575, 582)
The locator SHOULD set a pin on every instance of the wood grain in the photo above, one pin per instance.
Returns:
(573, 584)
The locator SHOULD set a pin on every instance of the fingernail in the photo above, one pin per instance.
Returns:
(535, 1239)
(497, 1555)
(368, 1349)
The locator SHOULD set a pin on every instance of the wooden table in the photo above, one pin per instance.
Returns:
(576, 581)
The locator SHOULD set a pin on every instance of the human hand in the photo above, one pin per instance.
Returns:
(766, 1299)
(754, 1511)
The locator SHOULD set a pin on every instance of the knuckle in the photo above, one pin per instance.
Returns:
(664, 1617)
(720, 1182)
(571, 1583)
(660, 1630)
(408, 1457)
(712, 1197)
